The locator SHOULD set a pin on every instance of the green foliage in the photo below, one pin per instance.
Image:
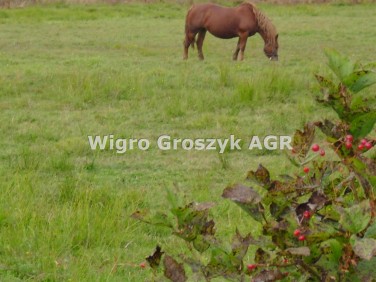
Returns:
(318, 224)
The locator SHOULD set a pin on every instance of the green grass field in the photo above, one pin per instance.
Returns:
(67, 72)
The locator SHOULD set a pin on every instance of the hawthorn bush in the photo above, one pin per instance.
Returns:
(317, 225)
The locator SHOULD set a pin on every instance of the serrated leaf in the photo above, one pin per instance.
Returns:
(261, 176)
(362, 125)
(356, 218)
(174, 270)
(365, 248)
(353, 77)
(302, 140)
(192, 220)
(366, 79)
(339, 64)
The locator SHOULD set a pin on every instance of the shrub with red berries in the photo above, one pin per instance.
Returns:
(323, 222)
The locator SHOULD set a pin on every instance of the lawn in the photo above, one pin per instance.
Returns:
(69, 71)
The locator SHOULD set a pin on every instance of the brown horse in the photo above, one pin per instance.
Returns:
(242, 21)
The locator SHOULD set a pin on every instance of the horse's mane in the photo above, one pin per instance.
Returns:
(264, 23)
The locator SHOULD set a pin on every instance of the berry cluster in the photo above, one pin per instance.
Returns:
(316, 148)
(364, 144)
(298, 234)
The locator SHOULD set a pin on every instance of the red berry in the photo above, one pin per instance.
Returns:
(348, 145)
(285, 261)
(143, 264)
(301, 238)
(349, 138)
(315, 147)
(361, 147)
(307, 214)
(297, 232)
(368, 145)
(363, 142)
(306, 169)
(251, 266)
(322, 152)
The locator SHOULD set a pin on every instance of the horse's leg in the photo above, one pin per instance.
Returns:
(242, 42)
(189, 39)
(235, 55)
(200, 42)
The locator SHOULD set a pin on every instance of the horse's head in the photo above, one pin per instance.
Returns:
(271, 49)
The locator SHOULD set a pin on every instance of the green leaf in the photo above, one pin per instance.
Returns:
(365, 248)
(335, 248)
(364, 80)
(356, 218)
(193, 220)
(363, 125)
(357, 102)
(221, 264)
(339, 64)
(371, 231)
(173, 199)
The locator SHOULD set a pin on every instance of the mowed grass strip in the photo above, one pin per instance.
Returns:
(70, 71)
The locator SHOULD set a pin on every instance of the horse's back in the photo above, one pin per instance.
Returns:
(223, 22)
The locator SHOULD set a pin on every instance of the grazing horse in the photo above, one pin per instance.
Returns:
(242, 21)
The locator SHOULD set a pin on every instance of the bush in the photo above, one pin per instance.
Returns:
(317, 225)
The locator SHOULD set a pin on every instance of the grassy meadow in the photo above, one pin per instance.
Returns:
(69, 71)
